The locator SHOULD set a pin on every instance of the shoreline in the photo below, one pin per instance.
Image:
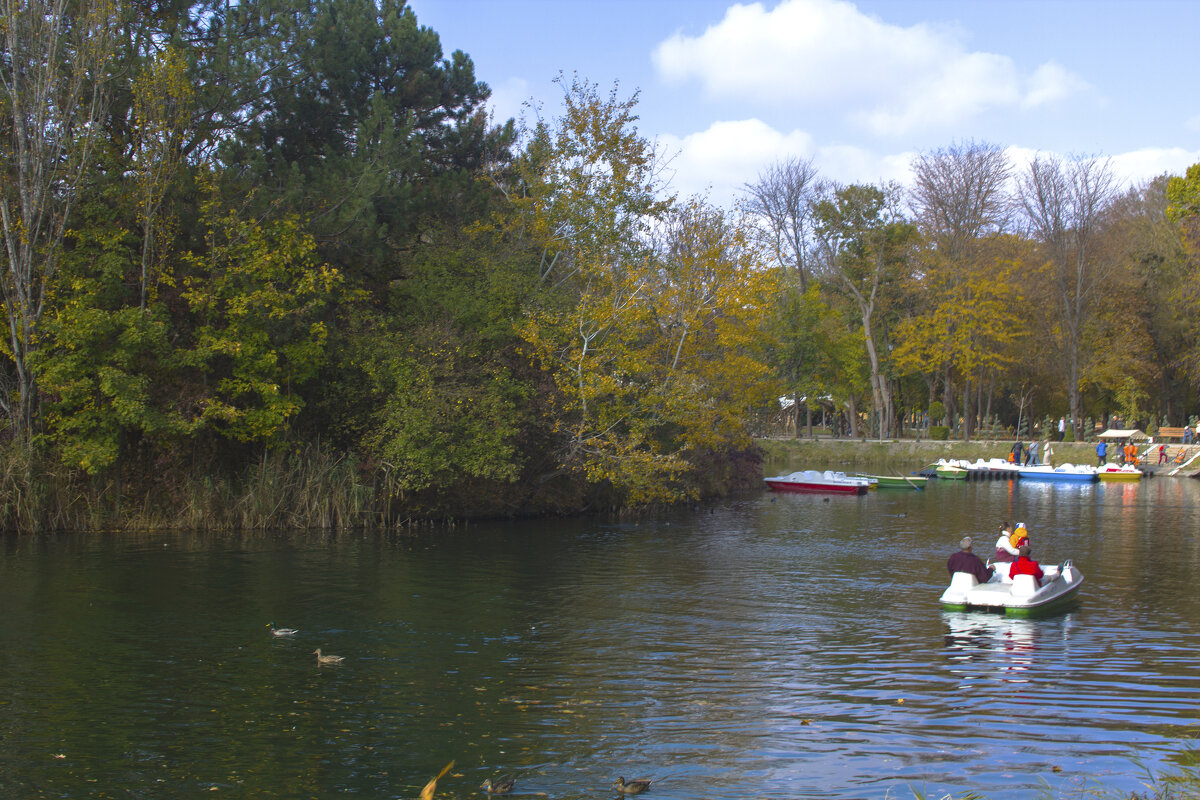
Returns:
(903, 456)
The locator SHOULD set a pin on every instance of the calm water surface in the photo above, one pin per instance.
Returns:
(773, 647)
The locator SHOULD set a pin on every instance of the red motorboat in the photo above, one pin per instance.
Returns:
(811, 480)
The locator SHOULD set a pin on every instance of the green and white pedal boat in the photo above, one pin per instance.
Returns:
(1016, 597)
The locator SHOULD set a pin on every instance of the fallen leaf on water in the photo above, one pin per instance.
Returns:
(431, 787)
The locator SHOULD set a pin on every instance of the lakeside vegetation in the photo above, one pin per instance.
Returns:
(273, 265)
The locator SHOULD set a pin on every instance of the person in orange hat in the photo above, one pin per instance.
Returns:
(1020, 532)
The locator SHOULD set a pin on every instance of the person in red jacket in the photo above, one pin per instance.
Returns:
(1024, 565)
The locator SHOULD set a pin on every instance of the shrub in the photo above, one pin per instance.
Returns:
(939, 432)
(937, 412)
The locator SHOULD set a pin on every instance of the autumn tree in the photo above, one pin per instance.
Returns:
(644, 312)
(52, 94)
(960, 202)
(1064, 202)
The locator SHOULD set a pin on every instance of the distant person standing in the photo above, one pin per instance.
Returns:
(1162, 454)
(1101, 453)
(1062, 428)
(1031, 455)
(1014, 455)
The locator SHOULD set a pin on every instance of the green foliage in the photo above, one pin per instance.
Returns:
(1131, 400)
(1183, 195)
(940, 433)
(255, 296)
(104, 361)
(443, 421)
(366, 131)
(937, 412)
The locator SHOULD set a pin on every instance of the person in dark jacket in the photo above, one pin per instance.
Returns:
(966, 561)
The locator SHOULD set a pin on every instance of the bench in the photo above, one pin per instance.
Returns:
(1171, 433)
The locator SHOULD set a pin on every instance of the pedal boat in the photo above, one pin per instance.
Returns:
(811, 480)
(1016, 597)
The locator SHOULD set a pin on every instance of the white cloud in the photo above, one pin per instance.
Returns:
(1051, 83)
(1139, 166)
(1130, 169)
(900, 79)
(719, 161)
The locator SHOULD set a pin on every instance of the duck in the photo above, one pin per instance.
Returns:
(282, 631)
(324, 659)
(498, 787)
(631, 787)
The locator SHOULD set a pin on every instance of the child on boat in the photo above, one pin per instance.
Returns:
(1006, 550)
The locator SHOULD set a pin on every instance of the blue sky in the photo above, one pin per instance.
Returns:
(860, 87)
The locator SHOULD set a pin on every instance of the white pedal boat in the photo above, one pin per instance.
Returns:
(1016, 597)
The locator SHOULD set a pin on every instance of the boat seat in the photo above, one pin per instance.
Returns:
(1024, 586)
(963, 581)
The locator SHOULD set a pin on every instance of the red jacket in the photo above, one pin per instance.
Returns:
(1024, 565)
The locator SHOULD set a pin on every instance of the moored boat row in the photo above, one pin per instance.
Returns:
(953, 469)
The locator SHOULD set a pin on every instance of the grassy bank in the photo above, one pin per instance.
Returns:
(895, 456)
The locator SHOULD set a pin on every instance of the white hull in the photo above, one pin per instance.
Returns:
(1020, 596)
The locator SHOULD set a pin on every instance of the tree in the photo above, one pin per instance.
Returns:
(646, 313)
(365, 131)
(973, 321)
(781, 203)
(866, 246)
(1064, 202)
(959, 196)
(814, 353)
(53, 82)
(256, 295)
(162, 100)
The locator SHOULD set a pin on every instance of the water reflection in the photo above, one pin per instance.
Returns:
(1006, 646)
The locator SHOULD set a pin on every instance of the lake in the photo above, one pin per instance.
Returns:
(774, 646)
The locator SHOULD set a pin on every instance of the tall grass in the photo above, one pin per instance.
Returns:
(309, 488)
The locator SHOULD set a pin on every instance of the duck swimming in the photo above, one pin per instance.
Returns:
(282, 631)
(631, 787)
(324, 659)
(498, 787)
